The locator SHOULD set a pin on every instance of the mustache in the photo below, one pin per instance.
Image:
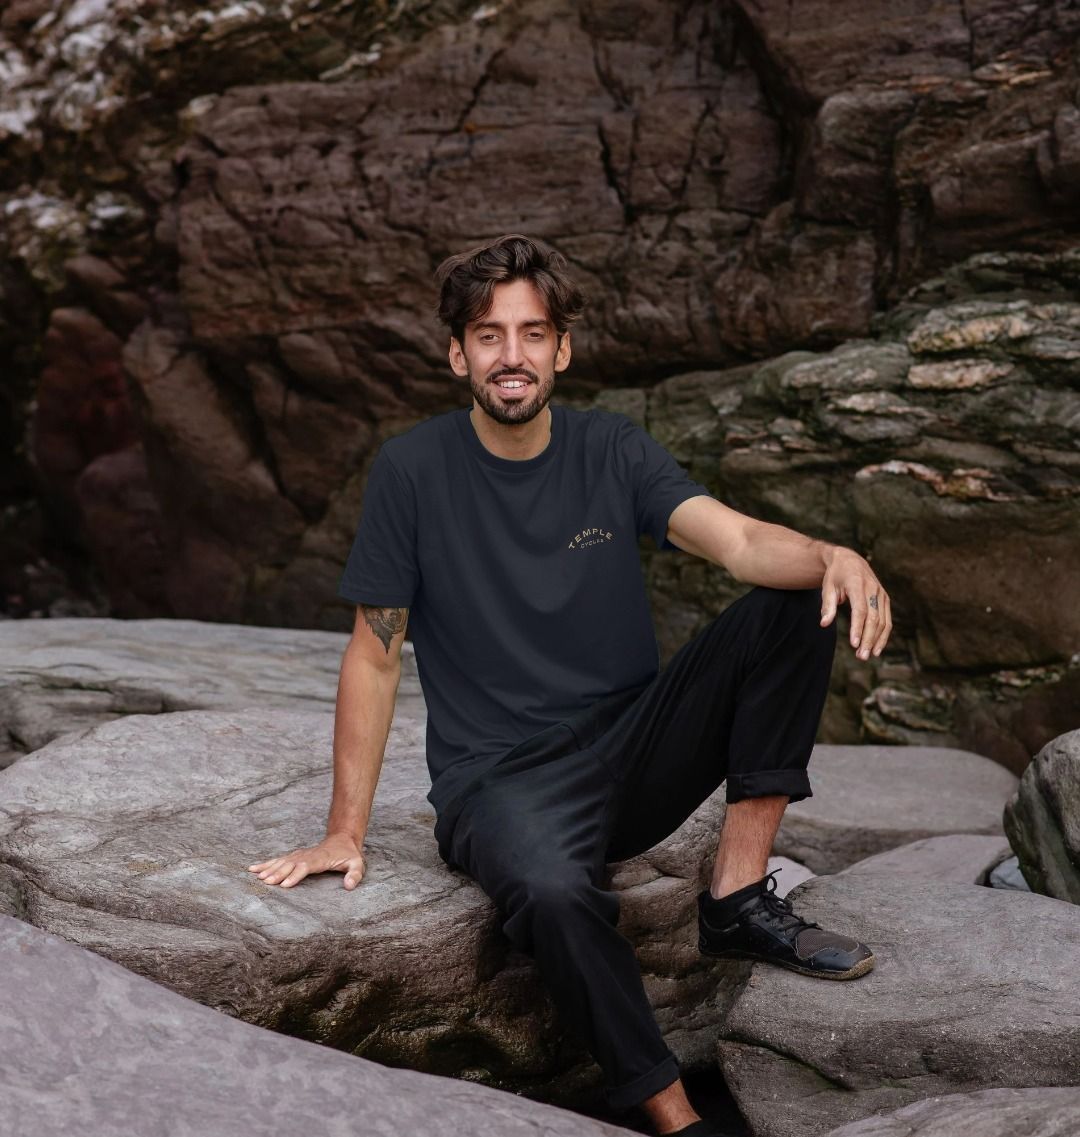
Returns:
(510, 372)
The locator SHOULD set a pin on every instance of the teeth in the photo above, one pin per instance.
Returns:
(511, 383)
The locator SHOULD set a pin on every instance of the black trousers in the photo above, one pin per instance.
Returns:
(741, 701)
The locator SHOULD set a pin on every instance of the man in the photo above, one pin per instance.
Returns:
(508, 533)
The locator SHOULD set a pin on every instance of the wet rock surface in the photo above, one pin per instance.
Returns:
(122, 1047)
(1042, 819)
(133, 839)
(974, 988)
(869, 799)
(1039, 1112)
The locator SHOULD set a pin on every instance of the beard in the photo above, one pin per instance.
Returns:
(520, 410)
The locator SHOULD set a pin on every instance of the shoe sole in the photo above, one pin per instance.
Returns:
(860, 968)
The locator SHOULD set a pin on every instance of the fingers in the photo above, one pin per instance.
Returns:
(291, 868)
(830, 599)
(871, 622)
(354, 872)
(885, 627)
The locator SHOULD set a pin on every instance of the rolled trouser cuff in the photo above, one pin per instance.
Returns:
(762, 783)
(635, 1092)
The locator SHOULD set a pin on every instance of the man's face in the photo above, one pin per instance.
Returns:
(511, 354)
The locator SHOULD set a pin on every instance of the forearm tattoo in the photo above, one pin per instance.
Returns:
(385, 622)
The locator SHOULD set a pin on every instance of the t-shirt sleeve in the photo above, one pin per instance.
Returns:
(382, 566)
(659, 482)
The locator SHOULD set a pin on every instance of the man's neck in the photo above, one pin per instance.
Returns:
(516, 443)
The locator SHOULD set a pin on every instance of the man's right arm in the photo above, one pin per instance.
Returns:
(367, 692)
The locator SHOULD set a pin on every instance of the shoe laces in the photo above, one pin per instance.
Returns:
(780, 907)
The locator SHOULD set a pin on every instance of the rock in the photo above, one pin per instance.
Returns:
(1008, 875)
(1042, 819)
(868, 799)
(745, 182)
(62, 675)
(974, 988)
(791, 874)
(132, 838)
(1038, 1112)
(961, 857)
(93, 1045)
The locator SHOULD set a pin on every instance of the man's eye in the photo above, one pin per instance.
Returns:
(486, 338)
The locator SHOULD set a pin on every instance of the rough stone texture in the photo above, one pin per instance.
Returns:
(1042, 819)
(962, 857)
(87, 1047)
(868, 799)
(945, 449)
(974, 988)
(133, 839)
(220, 220)
(61, 675)
(989, 1113)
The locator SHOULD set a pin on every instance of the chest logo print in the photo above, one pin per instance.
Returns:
(589, 537)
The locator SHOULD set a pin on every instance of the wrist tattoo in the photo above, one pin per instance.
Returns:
(384, 622)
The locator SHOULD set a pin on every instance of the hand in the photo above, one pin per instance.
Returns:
(336, 852)
(849, 577)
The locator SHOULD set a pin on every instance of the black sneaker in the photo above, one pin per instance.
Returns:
(766, 928)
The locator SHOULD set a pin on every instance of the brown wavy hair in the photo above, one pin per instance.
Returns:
(467, 280)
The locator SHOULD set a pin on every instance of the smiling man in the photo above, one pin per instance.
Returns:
(506, 535)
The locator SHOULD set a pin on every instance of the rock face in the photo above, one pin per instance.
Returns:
(989, 1113)
(62, 675)
(215, 294)
(945, 449)
(868, 799)
(974, 988)
(122, 1047)
(961, 857)
(1042, 819)
(133, 839)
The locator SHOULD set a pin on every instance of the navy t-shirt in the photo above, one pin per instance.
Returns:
(523, 581)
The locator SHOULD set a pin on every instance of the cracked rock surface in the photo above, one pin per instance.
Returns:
(133, 837)
(974, 988)
(89, 1047)
(220, 220)
(67, 674)
(868, 799)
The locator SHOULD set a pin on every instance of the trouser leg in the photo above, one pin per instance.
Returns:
(741, 700)
(534, 842)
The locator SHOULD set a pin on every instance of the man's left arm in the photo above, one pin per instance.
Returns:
(757, 552)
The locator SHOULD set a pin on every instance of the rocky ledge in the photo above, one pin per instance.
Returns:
(92, 1047)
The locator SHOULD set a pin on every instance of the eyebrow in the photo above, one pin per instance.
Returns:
(525, 324)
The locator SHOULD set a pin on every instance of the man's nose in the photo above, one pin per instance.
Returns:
(511, 355)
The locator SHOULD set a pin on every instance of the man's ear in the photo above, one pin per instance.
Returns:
(562, 356)
(458, 364)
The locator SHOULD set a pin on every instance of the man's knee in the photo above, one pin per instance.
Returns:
(551, 899)
(794, 612)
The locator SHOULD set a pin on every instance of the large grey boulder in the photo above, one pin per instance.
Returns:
(1042, 819)
(133, 839)
(871, 798)
(974, 988)
(60, 675)
(965, 858)
(1038, 1112)
(88, 1047)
